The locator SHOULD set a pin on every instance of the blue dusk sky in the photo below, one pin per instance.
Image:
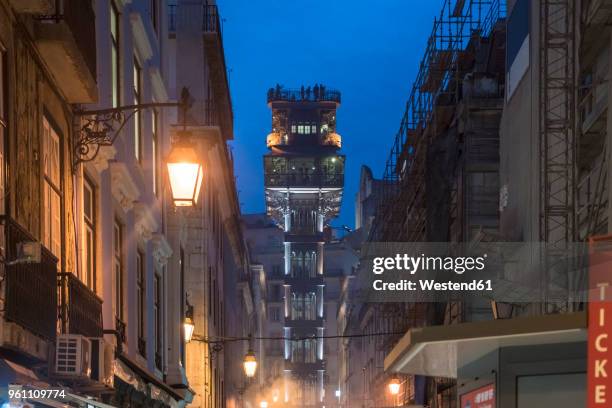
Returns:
(368, 50)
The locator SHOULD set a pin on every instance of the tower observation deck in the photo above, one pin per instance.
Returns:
(304, 179)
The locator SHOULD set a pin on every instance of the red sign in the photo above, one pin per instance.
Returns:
(483, 397)
(599, 371)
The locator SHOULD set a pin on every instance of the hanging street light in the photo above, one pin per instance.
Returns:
(394, 385)
(263, 404)
(188, 324)
(185, 173)
(250, 364)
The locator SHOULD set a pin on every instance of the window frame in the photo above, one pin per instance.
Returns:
(118, 269)
(155, 162)
(55, 189)
(140, 294)
(137, 97)
(158, 310)
(115, 44)
(90, 226)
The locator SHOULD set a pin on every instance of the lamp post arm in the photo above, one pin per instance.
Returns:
(101, 127)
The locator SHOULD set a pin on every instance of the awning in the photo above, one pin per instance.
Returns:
(440, 350)
(13, 373)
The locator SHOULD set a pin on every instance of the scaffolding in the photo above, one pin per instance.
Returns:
(435, 92)
(557, 137)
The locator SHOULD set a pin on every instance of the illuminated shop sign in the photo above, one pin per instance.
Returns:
(483, 397)
(599, 377)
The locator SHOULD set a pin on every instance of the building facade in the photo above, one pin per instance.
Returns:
(304, 176)
(97, 260)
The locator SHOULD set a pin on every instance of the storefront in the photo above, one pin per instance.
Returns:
(517, 363)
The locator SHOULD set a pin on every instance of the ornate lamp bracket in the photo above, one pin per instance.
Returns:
(97, 128)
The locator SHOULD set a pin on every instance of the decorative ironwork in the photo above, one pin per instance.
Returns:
(31, 288)
(81, 306)
(97, 128)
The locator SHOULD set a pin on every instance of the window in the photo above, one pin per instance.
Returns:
(153, 13)
(293, 129)
(137, 74)
(313, 129)
(52, 189)
(274, 313)
(158, 313)
(118, 268)
(140, 298)
(300, 129)
(89, 234)
(155, 152)
(115, 55)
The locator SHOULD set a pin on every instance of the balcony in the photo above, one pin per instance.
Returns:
(31, 288)
(215, 57)
(293, 180)
(304, 323)
(66, 41)
(32, 6)
(81, 306)
(321, 94)
(332, 139)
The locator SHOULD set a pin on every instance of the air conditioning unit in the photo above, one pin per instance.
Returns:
(73, 357)
(102, 356)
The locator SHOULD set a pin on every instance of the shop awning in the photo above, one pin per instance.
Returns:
(440, 350)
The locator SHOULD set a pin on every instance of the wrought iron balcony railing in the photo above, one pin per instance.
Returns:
(304, 95)
(81, 306)
(31, 288)
(304, 180)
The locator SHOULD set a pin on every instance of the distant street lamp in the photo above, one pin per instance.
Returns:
(394, 385)
(185, 173)
(250, 364)
(263, 404)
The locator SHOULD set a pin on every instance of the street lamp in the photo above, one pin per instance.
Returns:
(263, 404)
(394, 385)
(185, 173)
(250, 364)
(188, 324)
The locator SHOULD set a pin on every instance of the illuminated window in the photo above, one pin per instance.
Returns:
(89, 234)
(301, 129)
(293, 129)
(52, 237)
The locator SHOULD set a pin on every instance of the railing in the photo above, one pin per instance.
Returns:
(31, 291)
(301, 180)
(82, 307)
(80, 18)
(211, 22)
(316, 94)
